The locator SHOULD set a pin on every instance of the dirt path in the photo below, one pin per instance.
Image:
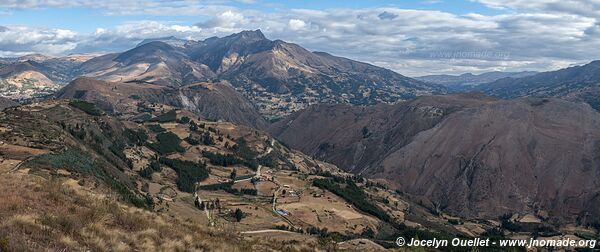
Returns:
(20, 164)
(210, 221)
(267, 231)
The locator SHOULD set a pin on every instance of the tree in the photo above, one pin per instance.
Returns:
(193, 126)
(184, 119)
(368, 233)
(233, 175)
(365, 132)
(238, 214)
(207, 139)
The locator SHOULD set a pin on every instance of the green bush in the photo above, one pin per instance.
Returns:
(268, 160)
(156, 128)
(222, 160)
(192, 140)
(228, 160)
(238, 214)
(170, 116)
(193, 126)
(72, 160)
(227, 187)
(151, 168)
(243, 150)
(166, 143)
(188, 173)
(86, 107)
(207, 139)
(248, 191)
(137, 137)
(184, 120)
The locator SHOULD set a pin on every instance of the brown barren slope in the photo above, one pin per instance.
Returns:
(215, 101)
(469, 155)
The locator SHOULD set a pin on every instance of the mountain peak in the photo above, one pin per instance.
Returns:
(153, 46)
(255, 35)
(170, 40)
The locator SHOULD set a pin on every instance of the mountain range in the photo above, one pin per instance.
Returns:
(276, 76)
(579, 83)
(468, 80)
(37, 75)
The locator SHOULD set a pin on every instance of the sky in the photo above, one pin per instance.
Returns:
(414, 37)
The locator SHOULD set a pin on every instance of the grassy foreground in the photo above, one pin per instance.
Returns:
(59, 214)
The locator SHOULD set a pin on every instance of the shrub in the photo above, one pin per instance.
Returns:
(243, 150)
(222, 160)
(151, 168)
(207, 139)
(184, 120)
(170, 116)
(238, 214)
(249, 191)
(222, 186)
(137, 137)
(86, 107)
(193, 126)
(166, 143)
(156, 128)
(72, 160)
(267, 160)
(191, 140)
(188, 173)
(365, 132)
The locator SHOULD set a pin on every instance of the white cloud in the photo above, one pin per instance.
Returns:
(577, 7)
(226, 20)
(296, 24)
(19, 40)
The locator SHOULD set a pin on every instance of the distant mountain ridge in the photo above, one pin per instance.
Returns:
(34, 75)
(468, 80)
(262, 69)
(278, 77)
(579, 83)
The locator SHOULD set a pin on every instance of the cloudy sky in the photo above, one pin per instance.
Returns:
(414, 38)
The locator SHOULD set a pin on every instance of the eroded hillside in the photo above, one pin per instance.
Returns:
(469, 155)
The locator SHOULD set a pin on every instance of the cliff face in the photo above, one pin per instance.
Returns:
(472, 156)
